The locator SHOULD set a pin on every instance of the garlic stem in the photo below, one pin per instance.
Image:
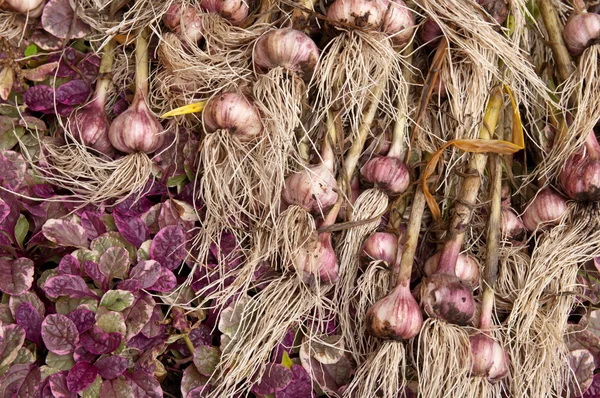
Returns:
(141, 63)
(469, 189)
(104, 81)
(555, 39)
(398, 133)
(412, 238)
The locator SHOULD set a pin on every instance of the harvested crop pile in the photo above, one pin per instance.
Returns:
(298, 199)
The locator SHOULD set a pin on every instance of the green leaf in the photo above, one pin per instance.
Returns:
(206, 359)
(112, 322)
(93, 390)
(110, 239)
(61, 362)
(176, 181)
(286, 361)
(30, 50)
(117, 300)
(21, 230)
(10, 137)
(48, 371)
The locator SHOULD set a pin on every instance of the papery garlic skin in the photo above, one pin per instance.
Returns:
(318, 260)
(90, 126)
(33, 7)
(497, 9)
(546, 208)
(235, 11)
(287, 48)
(397, 316)
(137, 129)
(447, 297)
(580, 178)
(430, 33)
(234, 113)
(488, 358)
(580, 30)
(467, 267)
(313, 189)
(365, 14)
(382, 246)
(184, 21)
(387, 173)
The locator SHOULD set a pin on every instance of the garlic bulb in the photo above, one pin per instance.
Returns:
(90, 127)
(184, 21)
(580, 30)
(399, 21)
(313, 189)
(397, 316)
(387, 173)
(580, 176)
(546, 208)
(287, 48)
(488, 358)
(447, 297)
(365, 14)
(234, 113)
(235, 11)
(33, 7)
(318, 260)
(511, 225)
(467, 267)
(381, 246)
(496, 8)
(136, 129)
(430, 33)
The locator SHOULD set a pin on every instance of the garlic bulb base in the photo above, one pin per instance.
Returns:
(447, 297)
(488, 358)
(397, 316)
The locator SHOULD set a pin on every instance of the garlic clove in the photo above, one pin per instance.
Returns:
(381, 246)
(184, 21)
(580, 178)
(287, 48)
(313, 189)
(317, 259)
(234, 113)
(235, 11)
(397, 316)
(387, 173)
(90, 127)
(546, 208)
(488, 358)
(137, 129)
(580, 31)
(467, 267)
(447, 297)
(430, 33)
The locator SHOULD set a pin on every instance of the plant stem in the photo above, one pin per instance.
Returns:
(397, 146)
(357, 146)
(413, 230)
(469, 190)
(103, 83)
(188, 343)
(555, 39)
(141, 63)
(330, 139)
(300, 18)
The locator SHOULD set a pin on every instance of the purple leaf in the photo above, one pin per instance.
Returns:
(20, 381)
(12, 338)
(116, 388)
(132, 228)
(132, 285)
(67, 285)
(144, 385)
(144, 343)
(286, 345)
(69, 265)
(582, 367)
(133, 206)
(276, 378)
(58, 386)
(65, 233)
(81, 376)
(45, 40)
(200, 392)
(92, 270)
(166, 281)
(40, 73)
(99, 342)
(226, 251)
(89, 66)
(31, 321)
(577, 337)
(114, 263)
(17, 276)
(138, 314)
(168, 247)
(28, 297)
(57, 18)
(44, 191)
(82, 355)
(4, 210)
(191, 379)
(39, 98)
(299, 387)
(169, 214)
(93, 224)
(59, 334)
(594, 390)
(83, 319)
(12, 171)
(201, 335)
(111, 367)
(74, 92)
(155, 327)
(206, 359)
(146, 272)
(66, 59)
